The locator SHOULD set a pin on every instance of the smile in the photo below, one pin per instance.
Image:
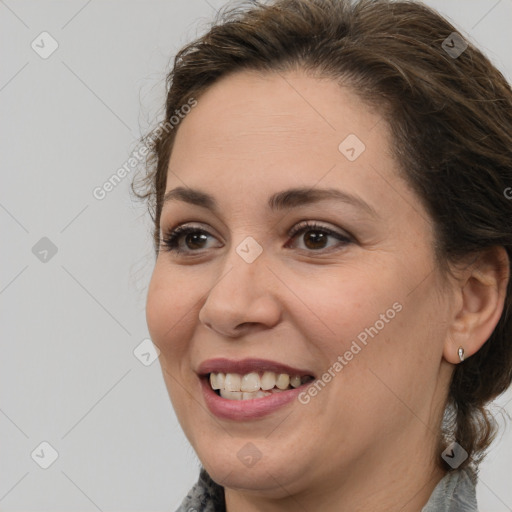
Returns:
(234, 386)
(250, 388)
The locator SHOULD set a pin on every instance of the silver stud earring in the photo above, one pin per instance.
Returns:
(461, 354)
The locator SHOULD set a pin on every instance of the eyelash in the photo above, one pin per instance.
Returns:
(170, 240)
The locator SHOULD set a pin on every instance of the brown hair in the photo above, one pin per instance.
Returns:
(450, 118)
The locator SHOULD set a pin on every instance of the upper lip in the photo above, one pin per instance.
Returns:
(244, 366)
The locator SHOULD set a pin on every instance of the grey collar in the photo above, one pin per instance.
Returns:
(205, 496)
(456, 492)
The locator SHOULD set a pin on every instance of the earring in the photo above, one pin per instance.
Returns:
(461, 354)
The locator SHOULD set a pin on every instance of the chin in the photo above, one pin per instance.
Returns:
(269, 472)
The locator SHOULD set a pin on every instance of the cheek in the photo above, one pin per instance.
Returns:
(170, 313)
(170, 308)
(346, 304)
(369, 319)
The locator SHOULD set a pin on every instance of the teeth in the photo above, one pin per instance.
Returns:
(256, 394)
(232, 382)
(250, 382)
(217, 380)
(239, 395)
(268, 381)
(231, 395)
(283, 381)
(234, 386)
(295, 381)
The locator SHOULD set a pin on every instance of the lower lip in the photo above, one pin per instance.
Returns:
(246, 409)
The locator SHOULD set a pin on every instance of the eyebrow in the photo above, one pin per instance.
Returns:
(291, 198)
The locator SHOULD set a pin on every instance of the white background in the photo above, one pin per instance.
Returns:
(68, 375)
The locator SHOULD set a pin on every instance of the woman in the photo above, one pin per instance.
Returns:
(331, 295)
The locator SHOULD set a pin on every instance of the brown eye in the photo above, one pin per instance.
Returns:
(316, 237)
(195, 240)
(186, 239)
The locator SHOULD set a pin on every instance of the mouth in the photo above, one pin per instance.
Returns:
(234, 386)
(251, 379)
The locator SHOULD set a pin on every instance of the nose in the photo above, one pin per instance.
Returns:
(241, 299)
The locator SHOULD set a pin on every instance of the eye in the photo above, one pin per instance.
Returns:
(316, 237)
(190, 239)
(185, 239)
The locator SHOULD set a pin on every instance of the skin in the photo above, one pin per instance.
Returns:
(369, 439)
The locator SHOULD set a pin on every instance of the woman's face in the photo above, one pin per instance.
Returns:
(342, 288)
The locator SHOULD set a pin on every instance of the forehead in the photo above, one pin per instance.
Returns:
(288, 107)
(253, 132)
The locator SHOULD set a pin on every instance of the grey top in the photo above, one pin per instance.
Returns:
(454, 493)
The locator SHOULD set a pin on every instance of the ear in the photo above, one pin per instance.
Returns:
(480, 291)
